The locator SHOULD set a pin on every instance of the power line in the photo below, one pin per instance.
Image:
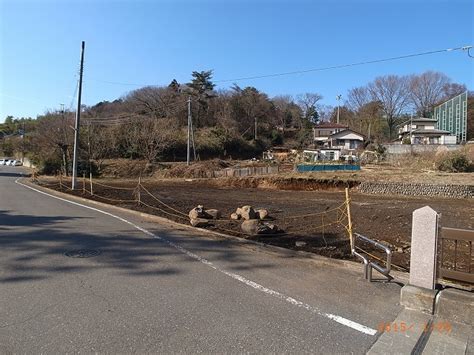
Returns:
(341, 66)
(73, 100)
(304, 71)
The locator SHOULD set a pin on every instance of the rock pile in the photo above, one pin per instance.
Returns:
(199, 216)
(253, 221)
(248, 212)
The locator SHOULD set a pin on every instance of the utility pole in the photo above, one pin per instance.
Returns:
(23, 143)
(338, 98)
(411, 126)
(255, 127)
(188, 153)
(78, 118)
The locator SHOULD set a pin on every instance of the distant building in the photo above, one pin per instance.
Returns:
(452, 116)
(423, 131)
(335, 135)
(322, 154)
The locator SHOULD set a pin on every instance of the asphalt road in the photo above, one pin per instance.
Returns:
(161, 288)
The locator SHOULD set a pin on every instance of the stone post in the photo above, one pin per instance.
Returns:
(424, 239)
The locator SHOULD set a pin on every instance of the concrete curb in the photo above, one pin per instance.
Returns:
(314, 258)
(418, 298)
(455, 306)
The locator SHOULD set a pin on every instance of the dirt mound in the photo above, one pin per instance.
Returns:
(285, 183)
(123, 168)
(195, 170)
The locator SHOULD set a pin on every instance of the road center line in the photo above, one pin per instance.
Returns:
(341, 320)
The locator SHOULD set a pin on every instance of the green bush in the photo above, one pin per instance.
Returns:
(276, 138)
(454, 162)
(50, 166)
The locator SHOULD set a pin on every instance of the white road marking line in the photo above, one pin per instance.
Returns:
(341, 320)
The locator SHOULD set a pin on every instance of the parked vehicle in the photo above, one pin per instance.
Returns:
(18, 163)
(2, 161)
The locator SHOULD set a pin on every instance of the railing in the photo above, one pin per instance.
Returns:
(368, 264)
(455, 255)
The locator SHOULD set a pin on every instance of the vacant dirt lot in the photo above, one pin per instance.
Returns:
(300, 214)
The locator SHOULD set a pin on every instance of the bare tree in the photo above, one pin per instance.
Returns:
(452, 89)
(309, 105)
(252, 109)
(158, 102)
(149, 137)
(287, 112)
(427, 90)
(392, 91)
(367, 112)
(101, 142)
(53, 136)
(358, 98)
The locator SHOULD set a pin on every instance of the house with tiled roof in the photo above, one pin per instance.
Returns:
(336, 135)
(424, 131)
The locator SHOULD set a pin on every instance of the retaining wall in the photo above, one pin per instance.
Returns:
(419, 148)
(453, 191)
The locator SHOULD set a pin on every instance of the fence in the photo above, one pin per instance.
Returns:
(254, 170)
(327, 167)
(136, 194)
(455, 256)
(419, 148)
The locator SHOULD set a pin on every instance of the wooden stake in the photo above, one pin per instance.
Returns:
(138, 191)
(84, 183)
(90, 178)
(349, 219)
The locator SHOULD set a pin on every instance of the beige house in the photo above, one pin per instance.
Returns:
(423, 131)
(335, 135)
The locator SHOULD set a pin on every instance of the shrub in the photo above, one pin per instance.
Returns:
(50, 166)
(454, 162)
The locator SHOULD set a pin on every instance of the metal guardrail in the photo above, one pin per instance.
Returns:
(368, 264)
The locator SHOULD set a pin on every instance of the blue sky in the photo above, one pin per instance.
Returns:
(153, 42)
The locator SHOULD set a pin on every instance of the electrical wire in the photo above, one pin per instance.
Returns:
(304, 71)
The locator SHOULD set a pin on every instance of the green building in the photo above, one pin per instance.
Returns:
(452, 116)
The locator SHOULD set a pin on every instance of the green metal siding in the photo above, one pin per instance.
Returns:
(452, 116)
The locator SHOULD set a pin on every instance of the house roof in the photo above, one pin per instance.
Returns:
(329, 125)
(430, 131)
(340, 133)
(418, 120)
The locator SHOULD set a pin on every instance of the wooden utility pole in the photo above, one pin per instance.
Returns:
(188, 152)
(78, 118)
(256, 124)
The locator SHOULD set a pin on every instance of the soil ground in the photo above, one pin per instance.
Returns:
(386, 172)
(300, 214)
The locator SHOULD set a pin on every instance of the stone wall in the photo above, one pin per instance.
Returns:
(453, 191)
(419, 148)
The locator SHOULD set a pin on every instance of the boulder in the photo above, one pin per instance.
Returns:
(213, 213)
(255, 226)
(262, 213)
(247, 212)
(198, 212)
(234, 216)
(267, 228)
(199, 222)
(250, 227)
